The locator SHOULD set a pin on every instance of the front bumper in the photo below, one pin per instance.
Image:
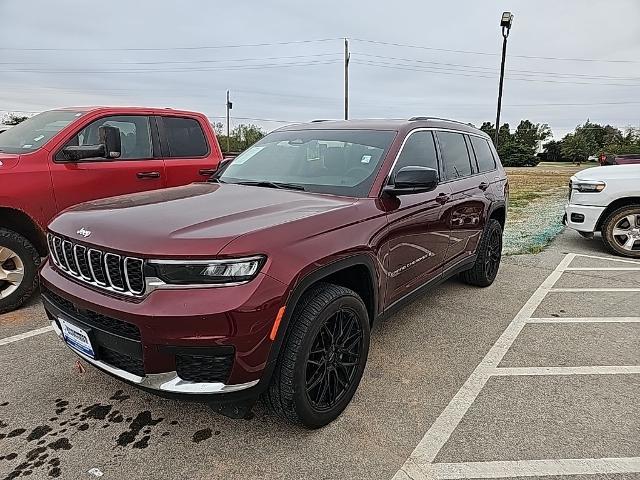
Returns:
(218, 336)
(168, 382)
(583, 218)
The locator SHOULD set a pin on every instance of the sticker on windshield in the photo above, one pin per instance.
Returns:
(365, 159)
(27, 146)
(247, 155)
(38, 138)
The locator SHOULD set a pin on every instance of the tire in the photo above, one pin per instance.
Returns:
(16, 254)
(620, 221)
(489, 254)
(302, 363)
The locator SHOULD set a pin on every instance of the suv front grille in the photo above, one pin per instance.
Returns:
(205, 369)
(106, 270)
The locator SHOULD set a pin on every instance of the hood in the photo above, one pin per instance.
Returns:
(609, 172)
(8, 160)
(194, 220)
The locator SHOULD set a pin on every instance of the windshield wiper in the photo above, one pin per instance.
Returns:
(264, 183)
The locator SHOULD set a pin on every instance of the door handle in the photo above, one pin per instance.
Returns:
(207, 172)
(442, 198)
(144, 175)
(483, 186)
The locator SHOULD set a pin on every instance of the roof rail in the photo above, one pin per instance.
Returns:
(320, 120)
(414, 119)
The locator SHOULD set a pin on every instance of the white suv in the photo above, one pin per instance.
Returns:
(607, 199)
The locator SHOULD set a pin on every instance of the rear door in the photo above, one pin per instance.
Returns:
(137, 169)
(189, 156)
(467, 206)
(418, 235)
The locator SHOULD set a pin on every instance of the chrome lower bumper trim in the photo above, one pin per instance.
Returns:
(165, 382)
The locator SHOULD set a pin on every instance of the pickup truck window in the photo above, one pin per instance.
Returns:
(339, 162)
(33, 133)
(185, 137)
(135, 135)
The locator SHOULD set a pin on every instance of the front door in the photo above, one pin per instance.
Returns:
(188, 156)
(418, 234)
(135, 171)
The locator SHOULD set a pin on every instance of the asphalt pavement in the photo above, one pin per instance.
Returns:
(563, 397)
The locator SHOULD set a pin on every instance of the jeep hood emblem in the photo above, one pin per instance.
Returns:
(84, 232)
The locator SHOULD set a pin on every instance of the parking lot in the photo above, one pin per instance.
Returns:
(538, 375)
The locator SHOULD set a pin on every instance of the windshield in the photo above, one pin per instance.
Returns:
(339, 162)
(33, 133)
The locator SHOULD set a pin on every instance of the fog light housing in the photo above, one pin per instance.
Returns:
(577, 218)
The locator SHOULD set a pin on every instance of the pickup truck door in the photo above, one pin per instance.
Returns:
(137, 170)
(189, 149)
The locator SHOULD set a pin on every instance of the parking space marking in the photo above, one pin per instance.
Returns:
(609, 259)
(592, 370)
(531, 468)
(420, 466)
(584, 320)
(22, 336)
(601, 269)
(587, 289)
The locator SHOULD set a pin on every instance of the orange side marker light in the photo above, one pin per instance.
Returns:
(276, 324)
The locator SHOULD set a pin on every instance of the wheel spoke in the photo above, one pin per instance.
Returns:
(629, 243)
(15, 276)
(6, 254)
(632, 219)
(316, 378)
(620, 232)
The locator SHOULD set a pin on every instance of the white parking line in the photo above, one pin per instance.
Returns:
(601, 269)
(22, 336)
(584, 320)
(531, 468)
(592, 370)
(420, 466)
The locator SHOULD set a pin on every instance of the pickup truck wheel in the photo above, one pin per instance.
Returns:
(621, 231)
(322, 358)
(19, 263)
(489, 254)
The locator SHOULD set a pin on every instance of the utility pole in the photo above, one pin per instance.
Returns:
(346, 79)
(505, 23)
(229, 107)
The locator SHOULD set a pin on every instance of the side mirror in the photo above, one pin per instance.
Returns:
(108, 148)
(413, 179)
(110, 138)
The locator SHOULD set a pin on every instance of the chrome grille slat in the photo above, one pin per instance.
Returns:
(109, 271)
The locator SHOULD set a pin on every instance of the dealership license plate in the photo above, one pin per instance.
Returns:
(77, 338)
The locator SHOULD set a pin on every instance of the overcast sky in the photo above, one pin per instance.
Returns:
(162, 53)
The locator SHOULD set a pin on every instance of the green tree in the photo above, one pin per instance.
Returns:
(575, 147)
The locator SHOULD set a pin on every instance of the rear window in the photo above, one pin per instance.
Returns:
(185, 137)
(484, 156)
(457, 163)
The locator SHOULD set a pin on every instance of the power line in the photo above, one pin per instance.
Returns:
(483, 69)
(468, 52)
(161, 49)
(415, 68)
(195, 69)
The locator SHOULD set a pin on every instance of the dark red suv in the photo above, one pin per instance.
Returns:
(266, 279)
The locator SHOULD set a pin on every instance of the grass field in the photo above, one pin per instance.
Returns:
(536, 199)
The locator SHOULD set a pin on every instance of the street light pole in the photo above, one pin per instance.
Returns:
(347, 57)
(505, 23)
(229, 107)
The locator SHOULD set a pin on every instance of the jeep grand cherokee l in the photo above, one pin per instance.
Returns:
(266, 280)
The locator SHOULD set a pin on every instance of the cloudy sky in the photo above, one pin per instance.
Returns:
(567, 60)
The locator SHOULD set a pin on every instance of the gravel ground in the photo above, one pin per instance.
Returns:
(531, 227)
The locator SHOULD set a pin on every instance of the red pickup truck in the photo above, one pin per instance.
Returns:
(63, 157)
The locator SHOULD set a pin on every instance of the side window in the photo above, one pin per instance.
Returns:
(455, 155)
(419, 150)
(135, 135)
(481, 147)
(185, 137)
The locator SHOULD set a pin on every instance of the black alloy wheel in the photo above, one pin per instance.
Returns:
(333, 360)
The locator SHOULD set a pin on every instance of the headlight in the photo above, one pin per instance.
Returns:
(215, 272)
(588, 186)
